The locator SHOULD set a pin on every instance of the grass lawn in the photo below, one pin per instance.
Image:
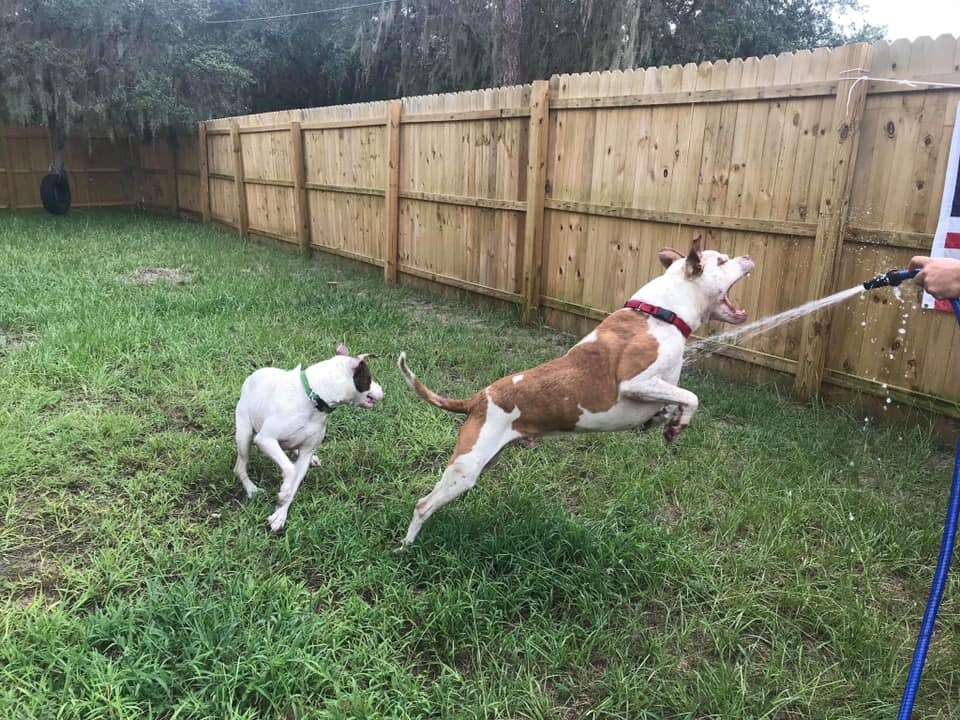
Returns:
(773, 564)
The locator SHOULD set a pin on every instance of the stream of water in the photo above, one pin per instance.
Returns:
(702, 348)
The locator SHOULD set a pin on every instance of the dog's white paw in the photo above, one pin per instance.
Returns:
(314, 461)
(251, 493)
(277, 520)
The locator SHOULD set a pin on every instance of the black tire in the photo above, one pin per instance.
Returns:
(55, 193)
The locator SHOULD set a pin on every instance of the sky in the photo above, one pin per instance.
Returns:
(913, 18)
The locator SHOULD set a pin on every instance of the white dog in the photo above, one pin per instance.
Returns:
(620, 376)
(286, 410)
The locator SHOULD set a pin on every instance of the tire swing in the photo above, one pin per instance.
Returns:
(55, 192)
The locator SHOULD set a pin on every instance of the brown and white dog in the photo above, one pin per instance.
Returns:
(622, 375)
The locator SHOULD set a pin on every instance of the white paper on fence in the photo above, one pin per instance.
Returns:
(949, 210)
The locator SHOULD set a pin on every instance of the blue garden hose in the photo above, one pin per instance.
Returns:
(892, 279)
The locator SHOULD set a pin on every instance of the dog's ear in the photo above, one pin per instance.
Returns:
(668, 256)
(363, 357)
(694, 266)
(342, 349)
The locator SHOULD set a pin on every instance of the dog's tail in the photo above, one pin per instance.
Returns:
(444, 403)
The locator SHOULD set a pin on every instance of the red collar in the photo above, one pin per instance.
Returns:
(660, 314)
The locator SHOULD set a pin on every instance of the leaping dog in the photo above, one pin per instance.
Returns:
(622, 375)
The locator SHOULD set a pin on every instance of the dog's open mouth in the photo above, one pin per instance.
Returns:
(369, 402)
(733, 314)
(738, 314)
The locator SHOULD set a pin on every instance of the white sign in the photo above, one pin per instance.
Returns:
(946, 243)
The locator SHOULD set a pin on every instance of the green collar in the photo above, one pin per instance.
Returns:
(318, 402)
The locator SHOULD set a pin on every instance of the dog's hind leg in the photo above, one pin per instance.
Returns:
(478, 443)
(244, 437)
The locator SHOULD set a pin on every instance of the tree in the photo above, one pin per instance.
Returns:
(116, 65)
(139, 65)
(509, 49)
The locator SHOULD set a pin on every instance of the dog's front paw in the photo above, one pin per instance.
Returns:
(277, 520)
(252, 492)
(314, 461)
(672, 431)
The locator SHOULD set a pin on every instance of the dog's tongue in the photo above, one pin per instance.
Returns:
(738, 313)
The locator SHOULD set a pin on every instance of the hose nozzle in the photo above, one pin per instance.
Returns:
(893, 278)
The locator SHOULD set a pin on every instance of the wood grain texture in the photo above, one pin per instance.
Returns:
(299, 173)
(846, 124)
(391, 214)
(204, 188)
(537, 137)
(241, 192)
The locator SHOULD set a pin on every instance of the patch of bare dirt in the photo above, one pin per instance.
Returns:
(670, 514)
(12, 339)
(427, 311)
(153, 275)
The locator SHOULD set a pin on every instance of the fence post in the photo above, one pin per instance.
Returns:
(238, 179)
(851, 99)
(392, 197)
(536, 179)
(300, 208)
(204, 172)
(174, 184)
(8, 162)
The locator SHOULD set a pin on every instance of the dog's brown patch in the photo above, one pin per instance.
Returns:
(470, 430)
(550, 396)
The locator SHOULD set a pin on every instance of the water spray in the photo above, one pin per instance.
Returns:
(895, 278)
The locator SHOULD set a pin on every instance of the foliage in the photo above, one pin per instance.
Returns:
(139, 64)
(115, 64)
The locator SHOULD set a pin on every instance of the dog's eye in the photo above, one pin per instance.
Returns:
(721, 260)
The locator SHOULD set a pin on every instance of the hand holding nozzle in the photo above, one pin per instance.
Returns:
(938, 276)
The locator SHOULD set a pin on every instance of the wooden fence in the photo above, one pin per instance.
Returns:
(100, 169)
(556, 196)
(104, 171)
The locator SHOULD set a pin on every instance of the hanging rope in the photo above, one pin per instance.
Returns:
(300, 14)
(898, 81)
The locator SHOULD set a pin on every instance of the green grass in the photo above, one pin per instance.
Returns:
(773, 564)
